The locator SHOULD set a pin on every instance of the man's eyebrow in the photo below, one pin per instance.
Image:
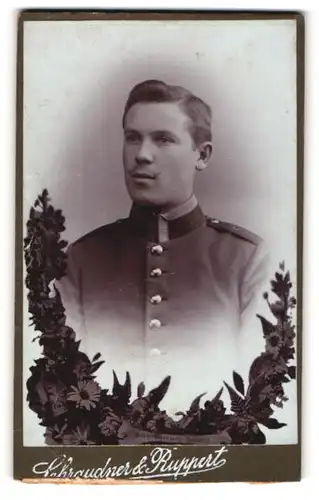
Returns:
(152, 132)
(157, 131)
(131, 130)
(164, 132)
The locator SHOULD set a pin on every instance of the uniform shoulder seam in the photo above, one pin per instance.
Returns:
(99, 231)
(237, 231)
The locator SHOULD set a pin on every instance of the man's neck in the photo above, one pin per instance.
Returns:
(159, 225)
(180, 209)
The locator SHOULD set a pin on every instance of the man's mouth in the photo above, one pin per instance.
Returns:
(143, 175)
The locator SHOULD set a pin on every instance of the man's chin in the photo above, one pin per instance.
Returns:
(145, 199)
(146, 202)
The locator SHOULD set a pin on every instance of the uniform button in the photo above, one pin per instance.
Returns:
(156, 272)
(156, 299)
(155, 323)
(155, 352)
(157, 249)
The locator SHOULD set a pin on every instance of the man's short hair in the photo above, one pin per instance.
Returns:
(195, 108)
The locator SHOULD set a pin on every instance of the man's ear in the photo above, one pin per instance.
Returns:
(205, 152)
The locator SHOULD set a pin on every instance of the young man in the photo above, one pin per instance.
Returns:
(167, 288)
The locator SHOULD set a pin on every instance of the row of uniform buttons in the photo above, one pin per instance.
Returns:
(156, 299)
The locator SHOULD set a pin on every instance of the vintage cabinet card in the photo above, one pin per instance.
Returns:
(158, 246)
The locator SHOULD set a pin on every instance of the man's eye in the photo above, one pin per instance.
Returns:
(163, 139)
(131, 138)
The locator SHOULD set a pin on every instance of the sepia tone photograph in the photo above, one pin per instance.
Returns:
(159, 232)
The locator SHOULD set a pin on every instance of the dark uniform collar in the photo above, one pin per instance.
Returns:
(158, 226)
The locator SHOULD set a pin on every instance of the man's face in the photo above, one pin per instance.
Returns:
(158, 154)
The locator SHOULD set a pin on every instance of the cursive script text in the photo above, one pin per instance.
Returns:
(160, 462)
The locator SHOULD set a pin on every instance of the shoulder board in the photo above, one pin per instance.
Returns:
(99, 231)
(240, 232)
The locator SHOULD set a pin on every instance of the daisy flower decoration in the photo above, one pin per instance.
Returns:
(86, 395)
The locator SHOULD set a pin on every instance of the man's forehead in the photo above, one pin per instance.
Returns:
(156, 116)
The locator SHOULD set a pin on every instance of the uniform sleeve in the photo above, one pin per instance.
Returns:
(69, 287)
(254, 281)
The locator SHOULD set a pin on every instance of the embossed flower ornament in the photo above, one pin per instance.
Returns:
(111, 423)
(55, 434)
(274, 343)
(82, 369)
(62, 389)
(86, 395)
(57, 396)
(81, 436)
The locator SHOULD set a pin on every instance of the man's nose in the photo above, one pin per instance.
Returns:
(144, 154)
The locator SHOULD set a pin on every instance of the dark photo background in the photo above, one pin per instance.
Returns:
(77, 76)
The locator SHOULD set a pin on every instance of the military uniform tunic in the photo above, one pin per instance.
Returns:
(165, 294)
